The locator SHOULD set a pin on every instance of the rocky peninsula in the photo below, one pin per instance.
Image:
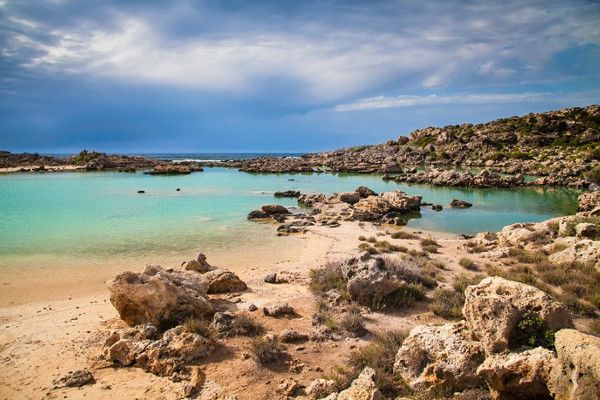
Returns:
(561, 148)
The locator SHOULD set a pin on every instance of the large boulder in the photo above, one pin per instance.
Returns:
(521, 375)
(577, 375)
(349, 197)
(364, 191)
(439, 357)
(494, 307)
(160, 297)
(581, 250)
(223, 281)
(400, 201)
(371, 208)
(272, 209)
(362, 388)
(589, 200)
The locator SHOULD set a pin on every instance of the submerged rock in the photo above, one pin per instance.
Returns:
(456, 203)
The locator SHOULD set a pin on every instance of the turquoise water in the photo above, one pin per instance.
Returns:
(101, 214)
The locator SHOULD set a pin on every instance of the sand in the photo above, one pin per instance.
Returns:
(56, 322)
(48, 168)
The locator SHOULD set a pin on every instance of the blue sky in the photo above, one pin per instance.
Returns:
(158, 76)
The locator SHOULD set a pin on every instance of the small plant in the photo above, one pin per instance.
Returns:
(245, 325)
(362, 238)
(327, 278)
(428, 242)
(462, 281)
(403, 235)
(467, 263)
(265, 351)
(201, 327)
(353, 321)
(405, 296)
(372, 239)
(447, 303)
(430, 249)
(527, 257)
(532, 331)
(595, 326)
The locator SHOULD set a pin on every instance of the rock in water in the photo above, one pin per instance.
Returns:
(493, 308)
(272, 209)
(159, 297)
(365, 192)
(460, 204)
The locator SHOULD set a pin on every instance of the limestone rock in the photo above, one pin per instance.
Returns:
(493, 307)
(442, 357)
(582, 250)
(258, 214)
(589, 200)
(159, 297)
(519, 375)
(199, 264)
(349, 197)
(275, 209)
(400, 201)
(291, 336)
(224, 281)
(364, 191)
(278, 310)
(362, 388)
(586, 229)
(578, 373)
(320, 388)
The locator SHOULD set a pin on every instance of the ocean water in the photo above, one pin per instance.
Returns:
(100, 214)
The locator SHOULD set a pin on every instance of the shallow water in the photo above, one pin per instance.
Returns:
(101, 214)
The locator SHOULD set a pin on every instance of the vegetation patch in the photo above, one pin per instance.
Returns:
(405, 296)
(245, 325)
(327, 278)
(265, 351)
(467, 263)
(404, 235)
(532, 331)
(201, 327)
(447, 303)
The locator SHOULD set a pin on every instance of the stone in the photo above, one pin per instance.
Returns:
(437, 207)
(371, 208)
(277, 310)
(271, 278)
(252, 307)
(292, 336)
(288, 387)
(272, 209)
(159, 297)
(362, 388)
(456, 203)
(258, 214)
(577, 375)
(581, 250)
(493, 308)
(519, 375)
(320, 388)
(75, 379)
(223, 322)
(586, 230)
(400, 201)
(224, 281)
(365, 192)
(439, 357)
(349, 197)
(288, 193)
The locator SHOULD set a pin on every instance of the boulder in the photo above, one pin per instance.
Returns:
(456, 203)
(577, 375)
(589, 200)
(582, 250)
(291, 336)
(439, 357)
(278, 310)
(199, 264)
(519, 375)
(400, 201)
(258, 214)
(364, 192)
(272, 209)
(224, 281)
(320, 388)
(493, 308)
(371, 208)
(586, 230)
(362, 388)
(349, 197)
(159, 297)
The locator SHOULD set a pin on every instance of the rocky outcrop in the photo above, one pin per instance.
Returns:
(160, 297)
(455, 203)
(288, 193)
(493, 308)
(548, 145)
(164, 355)
(445, 356)
(173, 169)
(581, 250)
(199, 264)
(589, 200)
(362, 388)
(577, 375)
(521, 375)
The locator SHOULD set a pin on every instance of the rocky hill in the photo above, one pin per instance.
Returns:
(562, 145)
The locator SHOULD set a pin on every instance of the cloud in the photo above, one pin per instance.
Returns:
(412, 101)
(324, 52)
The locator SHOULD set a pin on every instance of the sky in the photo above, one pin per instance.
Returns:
(282, 76)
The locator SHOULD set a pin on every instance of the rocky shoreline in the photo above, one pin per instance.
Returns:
(561, 148)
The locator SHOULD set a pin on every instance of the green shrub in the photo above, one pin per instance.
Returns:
(532, 331)
(423, 141)
(527, 257)
(403, 235)
(593, 175)
(405, 296)
(327, 278)
(245, 325)
(380, 355)
(447, 303)
(467, 263)
(265, 351)
(463, 280)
